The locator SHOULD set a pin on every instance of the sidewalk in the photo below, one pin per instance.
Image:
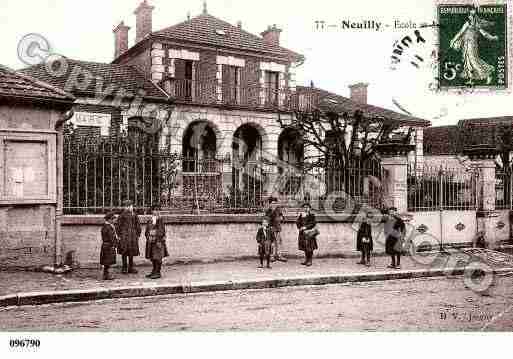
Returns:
(24, 287)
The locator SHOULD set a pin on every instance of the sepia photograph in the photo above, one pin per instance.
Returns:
(263, 167)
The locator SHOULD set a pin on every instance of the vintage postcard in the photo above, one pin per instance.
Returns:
(241, 166)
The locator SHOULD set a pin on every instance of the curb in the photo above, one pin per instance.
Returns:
(40, 298)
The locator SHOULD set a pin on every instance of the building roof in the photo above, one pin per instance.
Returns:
(15, 85)
(329, 101)
(452, 140)
(207, 29)
(486, 121)
(442, 140)
(114, 77)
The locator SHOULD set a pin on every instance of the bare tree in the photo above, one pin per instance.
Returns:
(342, 136)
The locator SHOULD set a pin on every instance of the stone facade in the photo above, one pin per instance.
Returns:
(31, 172)
(29, 198)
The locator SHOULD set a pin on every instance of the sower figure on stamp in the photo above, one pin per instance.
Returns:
(364, 243)
(156, 248)
(275, 213)
(129, 231)
(265, 240)
(467, 41)
(109, 243)
(308, 232)
(394, 229)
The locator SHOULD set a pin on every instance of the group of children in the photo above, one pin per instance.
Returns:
(394, 231)
(121, 236)
(269, 239)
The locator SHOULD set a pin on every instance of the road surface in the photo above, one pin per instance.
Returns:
(423, 304)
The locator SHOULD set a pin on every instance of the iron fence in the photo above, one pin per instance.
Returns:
(433, 188)
(361, 182)
(100, 175)
(503, 185)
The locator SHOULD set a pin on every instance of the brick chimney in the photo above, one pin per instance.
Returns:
(143, 21)
(120, 39)
(272, 35)
(359, 92)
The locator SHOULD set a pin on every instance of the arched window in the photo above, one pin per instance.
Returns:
(199, 146)
(291, 148)
(247, 144)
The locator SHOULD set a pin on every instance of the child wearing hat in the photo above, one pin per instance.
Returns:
(109, 243)
(308, 232)
(129, 230)
(394, 229)
(156, 248)
(364, 242)
(265, 240)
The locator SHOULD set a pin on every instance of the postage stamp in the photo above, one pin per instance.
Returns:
(473, 46)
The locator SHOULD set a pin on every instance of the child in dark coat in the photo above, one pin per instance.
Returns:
(109, 243)
(156, 248)
(129, 231)
(265, 239)
(308, 232)
(364, 242)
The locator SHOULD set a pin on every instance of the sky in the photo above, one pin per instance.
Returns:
(335, 57)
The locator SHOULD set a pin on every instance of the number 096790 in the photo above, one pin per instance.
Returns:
(24, 343)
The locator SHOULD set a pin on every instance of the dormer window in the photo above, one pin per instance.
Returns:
(220, 32)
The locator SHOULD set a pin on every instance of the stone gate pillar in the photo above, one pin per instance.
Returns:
(394, 159)
(483, 158)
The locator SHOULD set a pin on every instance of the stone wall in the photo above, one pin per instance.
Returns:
(212, 238)
(224, 237)
(27, 236)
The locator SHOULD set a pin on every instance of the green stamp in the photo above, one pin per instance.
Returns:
(473, 46)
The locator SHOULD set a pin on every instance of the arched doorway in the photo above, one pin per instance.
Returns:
(291, 149)
(199, 147)
(248, 177)
(247, 145)
(201, 170)
(291, 155)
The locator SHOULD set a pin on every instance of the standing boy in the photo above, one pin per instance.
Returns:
(129, 231)
(364, 242)
(275, 215)
(156, 248)
(109, 242)
(265, 238)
(394, 234)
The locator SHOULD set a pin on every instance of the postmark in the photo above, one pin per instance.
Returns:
(473, 46)
(434, 71)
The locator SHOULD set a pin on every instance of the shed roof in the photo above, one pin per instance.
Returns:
(16, 85)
